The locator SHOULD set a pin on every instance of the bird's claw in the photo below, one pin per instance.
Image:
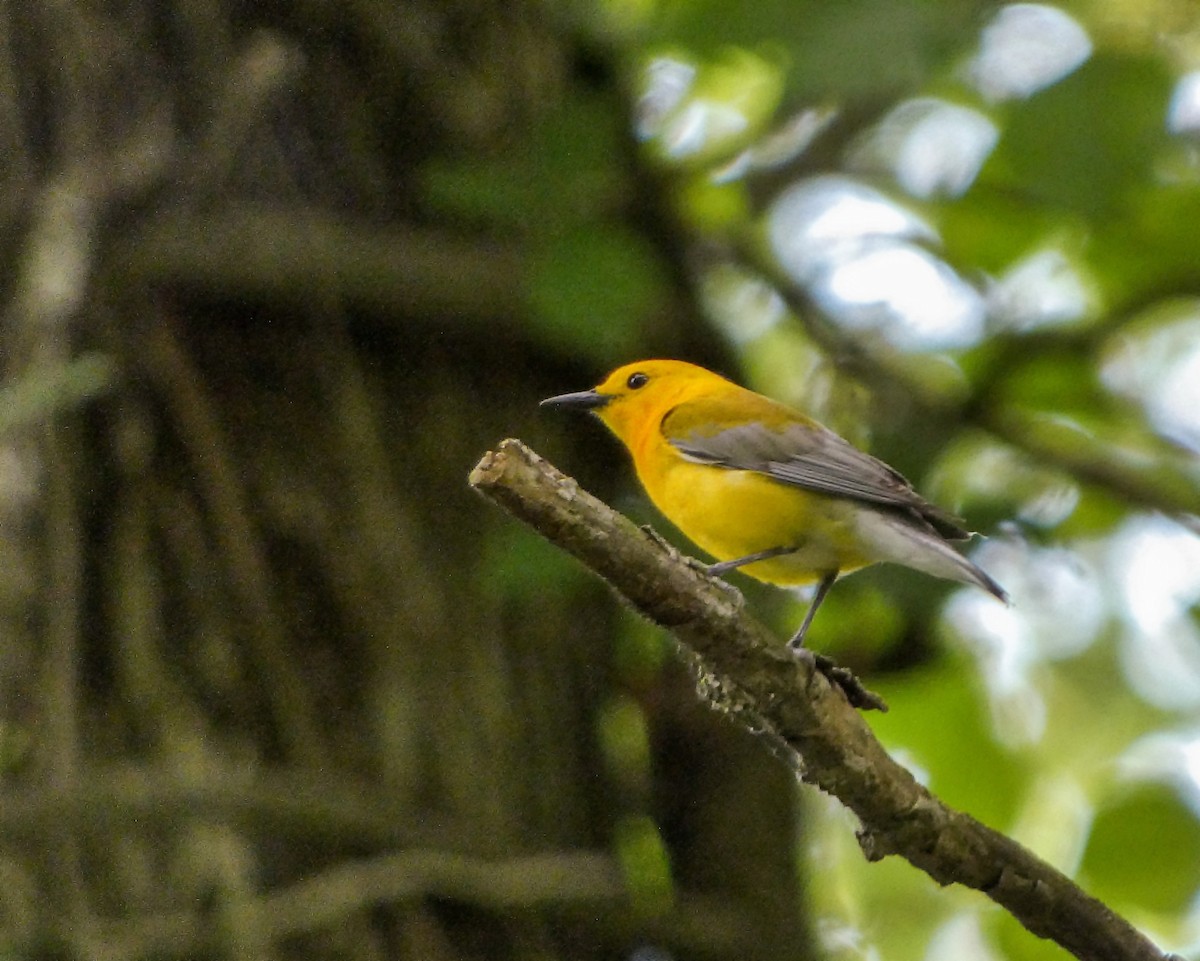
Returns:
(859, 696)
(728, 589)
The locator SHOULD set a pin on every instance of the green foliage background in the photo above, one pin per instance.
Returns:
(275, 683)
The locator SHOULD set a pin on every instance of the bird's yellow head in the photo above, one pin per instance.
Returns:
(640, 394)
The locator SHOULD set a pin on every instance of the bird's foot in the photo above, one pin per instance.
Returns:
(859, 696)
(694, 563)
(726, 588)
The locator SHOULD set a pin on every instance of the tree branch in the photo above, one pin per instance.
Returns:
(298, 254)
(746, 673)
(1159, 483)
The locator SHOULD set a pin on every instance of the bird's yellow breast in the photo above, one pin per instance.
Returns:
(735, 513)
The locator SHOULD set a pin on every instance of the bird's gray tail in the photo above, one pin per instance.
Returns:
(891, 537)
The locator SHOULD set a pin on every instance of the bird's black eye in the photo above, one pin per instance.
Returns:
(637, 380)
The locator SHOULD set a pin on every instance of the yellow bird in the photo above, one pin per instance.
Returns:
(763, 487)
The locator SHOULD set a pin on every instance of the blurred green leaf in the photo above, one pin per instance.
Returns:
(644, 858)
(1097, 513)
(1087, 142)
(991, 228)
(728, 105)
(1150, 252)
(1015, 941)
(640, 651)
(594, 292)
(625, 740)
(568, 169)
(850, 49)
(938, 717)
(712, 207)
(523, 567)
(42, 391)
(989, 481)
(1144, 849)
(1057, 381)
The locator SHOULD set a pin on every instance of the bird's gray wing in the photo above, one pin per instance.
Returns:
(814, 458)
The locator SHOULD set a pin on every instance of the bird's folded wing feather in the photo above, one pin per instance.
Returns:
(804, 455)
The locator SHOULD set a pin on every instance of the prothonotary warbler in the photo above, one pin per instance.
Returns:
(763, 487)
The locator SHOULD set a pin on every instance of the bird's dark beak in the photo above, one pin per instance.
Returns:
(580, 400)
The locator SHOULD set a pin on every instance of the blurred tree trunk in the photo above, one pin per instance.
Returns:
(273, 683)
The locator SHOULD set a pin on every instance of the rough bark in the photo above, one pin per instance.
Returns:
(746, 673)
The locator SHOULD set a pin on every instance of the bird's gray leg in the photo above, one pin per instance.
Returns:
(797, 640)
(724, 567)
